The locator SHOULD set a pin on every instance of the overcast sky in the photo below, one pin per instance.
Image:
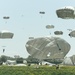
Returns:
(25, 21)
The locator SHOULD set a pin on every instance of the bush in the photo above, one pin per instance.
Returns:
(42, 70)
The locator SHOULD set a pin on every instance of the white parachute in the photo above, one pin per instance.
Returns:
(5, 34)
(67, 12)
(52, 49)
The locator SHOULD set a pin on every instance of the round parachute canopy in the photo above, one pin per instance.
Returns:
(49, 26)
(31, 37)
(42, 12)
(58, 33)
(72, 33)
(4, 34)
(69, 29)
(6, 17)
(52, 48)
(67, 12)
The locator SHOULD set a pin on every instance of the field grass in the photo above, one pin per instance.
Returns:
(42, 70)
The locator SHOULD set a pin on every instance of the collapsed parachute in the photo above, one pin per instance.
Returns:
(6, 17)
(42, 12)
(31, 37)
(52, 49)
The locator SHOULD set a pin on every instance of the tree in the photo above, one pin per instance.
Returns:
(3, 58)
(19, 60)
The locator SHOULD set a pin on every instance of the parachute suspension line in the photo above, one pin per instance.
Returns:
(58, 46)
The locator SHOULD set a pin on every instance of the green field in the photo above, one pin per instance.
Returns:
(42, 70)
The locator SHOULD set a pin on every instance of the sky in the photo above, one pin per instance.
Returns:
(25, 21)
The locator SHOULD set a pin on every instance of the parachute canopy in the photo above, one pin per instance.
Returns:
(67, 12)
(73, 59)
(58, 33)
(31, 37)
(49, 26)
(50, 48)
(6, 17)
(4, 34)
(42, 12)
(72, 33)
(69, 60)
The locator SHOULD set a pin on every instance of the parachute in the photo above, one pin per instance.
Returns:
(6, 17)
(67, 12)
(4, 34)
(58, 33)
(42, 12)
(49, 26)
(72, 33)
(31, 37)
(52, 49)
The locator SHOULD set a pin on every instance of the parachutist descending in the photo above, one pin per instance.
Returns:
(49, 26)
(42, 13)
(6, 17)
(3, 50)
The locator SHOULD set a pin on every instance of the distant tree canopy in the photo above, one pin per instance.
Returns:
(3, 58)
(30, 59)
(19, 60)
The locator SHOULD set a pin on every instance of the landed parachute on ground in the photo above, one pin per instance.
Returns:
(69, 60)
(67, 12)
(3, 48)
(73, 59)
(49, 26)
(72, 33)
(4, 34)
(58, 33)
(51, 49)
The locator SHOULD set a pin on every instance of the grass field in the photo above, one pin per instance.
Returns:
(42, 70)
